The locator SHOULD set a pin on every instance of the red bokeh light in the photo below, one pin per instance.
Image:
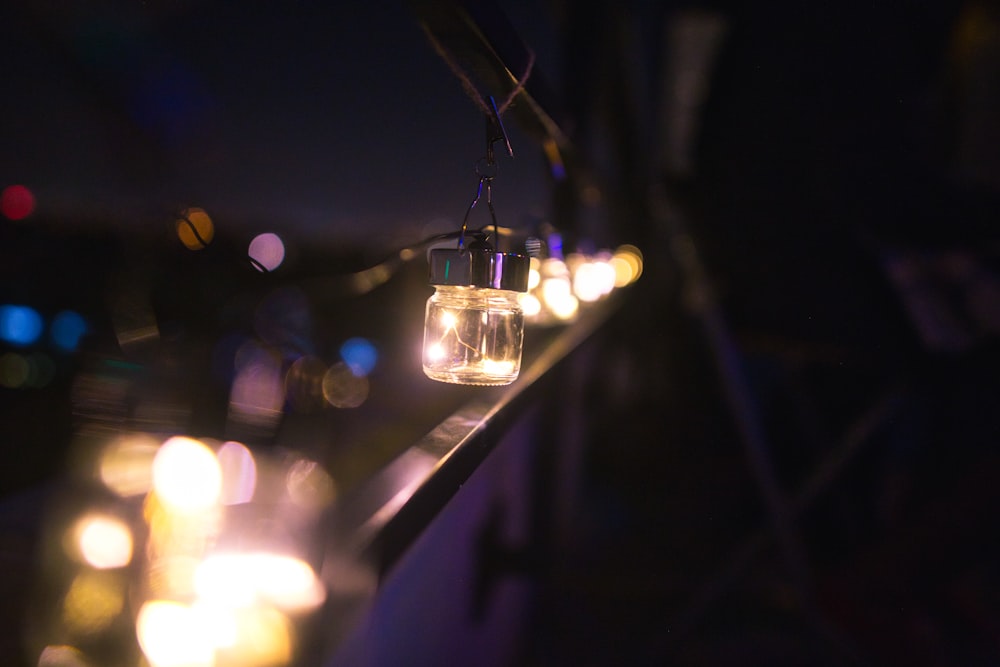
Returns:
(16, 202)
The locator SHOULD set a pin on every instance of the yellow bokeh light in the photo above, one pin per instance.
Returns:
(529, 304)
(263, 639)
(186, 475)
(195, 228)
(304, 384)
(627, 263)
(104, 542)
(555, 290)
(566, 309)
(93, 601)
(126, 465)
(553, 267)
(558, 298)
(172, 576)
(343, 389)
(172, 634)
(178, 532)
(534, 273)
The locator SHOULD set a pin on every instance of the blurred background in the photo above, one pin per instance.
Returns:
(790, 436)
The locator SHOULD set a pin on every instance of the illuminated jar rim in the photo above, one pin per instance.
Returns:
(479, 267)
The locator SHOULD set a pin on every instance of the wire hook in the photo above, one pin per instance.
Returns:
(495, 132)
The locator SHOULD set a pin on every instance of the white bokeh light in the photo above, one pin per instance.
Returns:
(186, 475)
(240, 579)
(173, 634)
(104, 542)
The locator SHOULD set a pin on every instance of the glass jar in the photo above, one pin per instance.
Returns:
(473, 335)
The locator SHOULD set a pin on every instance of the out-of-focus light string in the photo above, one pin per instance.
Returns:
(469, 87)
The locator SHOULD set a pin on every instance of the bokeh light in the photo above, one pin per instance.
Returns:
(263, 638)
(68, 327)
(186, 475)
(195, 228)
(627, 263)
(104, 542)
(309, 486)
(14, 370)
(93, 601)
(593, 279)
(257, 395)
(20, 371)
(208, 585)
(557, 296)
(173, 634)
(17, 202)
(360, 355)
(267, 250)
(342, 388)
(304, 384)
(529, 304)
(126, 464)
(62, 655)
(239, 473)
(240, 579)
(171, 576)
(20, 325)
(534, 273)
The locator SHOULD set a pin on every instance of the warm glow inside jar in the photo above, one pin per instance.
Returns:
(474, 326)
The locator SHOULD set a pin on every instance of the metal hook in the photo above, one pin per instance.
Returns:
(495, 132)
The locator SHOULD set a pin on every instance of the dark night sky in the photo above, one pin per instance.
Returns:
(336, 120)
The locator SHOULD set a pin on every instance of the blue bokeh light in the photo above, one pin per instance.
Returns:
(68, 327)
(360, 356)
(19, 325)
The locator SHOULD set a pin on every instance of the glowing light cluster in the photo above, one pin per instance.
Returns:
(241, 579)
(593, 277)
(210, 589)
(558, 289)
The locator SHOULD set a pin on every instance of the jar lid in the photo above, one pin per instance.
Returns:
(479, 267)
